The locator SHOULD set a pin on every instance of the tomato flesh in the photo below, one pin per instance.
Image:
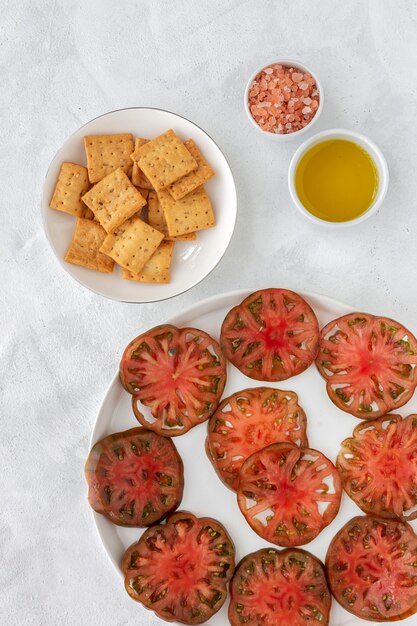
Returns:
(288, 494)
(180, 570)
(272, 335)
(179, 373)
(378, 466)
(369, 364)
(272, 587)
(372, 568)
(135, 478)
(248, 421)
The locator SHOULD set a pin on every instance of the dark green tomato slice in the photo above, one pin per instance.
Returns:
(272, 335)
(180, 570)
(369, 364)
(286, 587)
(372, 568)
(249, 420)
(135, 478)
(179, 373)
(288, 494)
(378, 466)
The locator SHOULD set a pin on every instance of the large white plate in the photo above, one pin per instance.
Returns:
(192, 260)
(204, 494)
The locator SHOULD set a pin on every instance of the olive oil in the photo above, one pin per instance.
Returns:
(336, 180)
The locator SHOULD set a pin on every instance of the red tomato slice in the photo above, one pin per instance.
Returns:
(248, 421)
(279, 587)
(288, 494)
(372, 568)
(378, 466)
(272, 335)
(179, 373)
(180, 570)
(369, 364)
(135, 478)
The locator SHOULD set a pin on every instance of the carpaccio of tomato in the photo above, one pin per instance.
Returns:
(179, 373)
(279, 587)
(378, 466)
(249, 420)
(135, 478)
(272, 335)
(288, 494)
(180, 570)
(372, 568)
(369, 364)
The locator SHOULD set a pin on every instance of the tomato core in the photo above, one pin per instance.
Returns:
(275, 337)
(371, 365)
(255, 434)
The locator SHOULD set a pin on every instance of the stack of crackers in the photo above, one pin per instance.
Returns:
(133, 201)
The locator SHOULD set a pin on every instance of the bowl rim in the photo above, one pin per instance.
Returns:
(374, 152)
(297, 133)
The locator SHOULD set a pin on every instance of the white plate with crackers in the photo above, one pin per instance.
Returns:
(139, 205)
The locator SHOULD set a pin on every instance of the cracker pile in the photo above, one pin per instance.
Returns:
(133, 201)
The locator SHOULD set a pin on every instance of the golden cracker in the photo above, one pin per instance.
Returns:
(157, 269)
(194, 179)
(164, 160)
(138, 177)
(133, 244)
(72, 183)
(85, 246)
(191, 213)
(156, 219)
(113, 200)
(106, 153)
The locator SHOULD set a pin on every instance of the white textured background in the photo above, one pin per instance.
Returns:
(65, 62)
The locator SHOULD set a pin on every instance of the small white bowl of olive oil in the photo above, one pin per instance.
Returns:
(338, 178)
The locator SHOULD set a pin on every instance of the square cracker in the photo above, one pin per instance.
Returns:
(164, 160)
(157, 269)
(193, 212)
(106, 153)
(132, 244)
(156, 219)
(84, 247)
(194, 179)
(138, 177)
(113, 200)
(72, 183)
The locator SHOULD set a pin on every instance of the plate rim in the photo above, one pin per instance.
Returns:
(205, 306)
(44, 202)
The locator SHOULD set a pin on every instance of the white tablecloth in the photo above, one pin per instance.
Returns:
(64, 62)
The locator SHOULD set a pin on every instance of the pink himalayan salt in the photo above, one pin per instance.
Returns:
(283, 100)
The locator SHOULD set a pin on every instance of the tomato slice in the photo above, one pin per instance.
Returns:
(286, 587)
(179, 373)
(135, 477)
(372, 568)
(180, 570)
(248, 421)
(272, 335)
(288, 494)
(378, 466)
(369, 364)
